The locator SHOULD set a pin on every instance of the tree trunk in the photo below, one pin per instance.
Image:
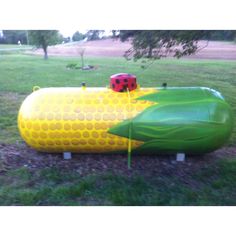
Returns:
(45, 52)
(150, 52)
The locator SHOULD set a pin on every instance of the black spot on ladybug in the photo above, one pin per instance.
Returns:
(125, 80)
(113, 86)
(117, 81)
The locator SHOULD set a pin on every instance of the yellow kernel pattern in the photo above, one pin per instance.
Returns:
(76, 120)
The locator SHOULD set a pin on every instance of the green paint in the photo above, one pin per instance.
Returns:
(190, 120)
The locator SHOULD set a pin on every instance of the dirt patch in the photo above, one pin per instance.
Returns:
(20, 155)
(116, 48)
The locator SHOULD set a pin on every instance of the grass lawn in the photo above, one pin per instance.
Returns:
(52, 186)
(4, 46)
(56, 186)
(9, 49)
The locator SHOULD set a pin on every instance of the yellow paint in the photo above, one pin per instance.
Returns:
(77, 119)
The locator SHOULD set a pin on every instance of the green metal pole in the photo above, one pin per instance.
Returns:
(129, 147)
(129, 142)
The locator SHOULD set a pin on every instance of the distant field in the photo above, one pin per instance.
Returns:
(31, 178)
(115, 48)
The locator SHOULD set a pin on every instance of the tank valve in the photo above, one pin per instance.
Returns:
(164, 85)
(83, 84)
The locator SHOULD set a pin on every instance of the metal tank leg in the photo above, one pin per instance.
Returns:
(67, 155)
(180, 157)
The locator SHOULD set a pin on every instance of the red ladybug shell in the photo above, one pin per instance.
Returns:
(120, 82)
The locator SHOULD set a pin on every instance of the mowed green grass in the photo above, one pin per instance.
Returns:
(13, 49)
(6, 46)
(19, 73)
(51, 186)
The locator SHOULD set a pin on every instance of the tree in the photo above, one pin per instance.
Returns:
(44, 38)
(66, 39)
(155, 44)
(77, 36)
(13, 36)
(115, 33)
(223, 35)
(93, 34)
(81, 51)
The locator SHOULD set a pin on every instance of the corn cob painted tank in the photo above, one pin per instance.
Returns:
(101, 120)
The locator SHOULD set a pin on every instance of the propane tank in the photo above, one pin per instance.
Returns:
(103, 120)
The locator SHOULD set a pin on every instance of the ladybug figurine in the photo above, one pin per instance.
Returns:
(122, 82)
